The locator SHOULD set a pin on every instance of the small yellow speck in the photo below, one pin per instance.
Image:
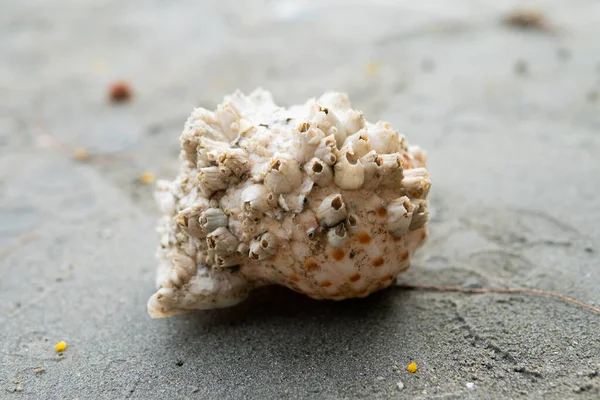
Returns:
(412, 367)
(61, 346)
(147, 178)
(81, 154)
(373, 68)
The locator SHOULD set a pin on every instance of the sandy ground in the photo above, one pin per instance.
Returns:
(509, 117)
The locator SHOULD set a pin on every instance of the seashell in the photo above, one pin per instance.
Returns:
(329, 205)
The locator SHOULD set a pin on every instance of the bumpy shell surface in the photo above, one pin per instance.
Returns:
(312, 197)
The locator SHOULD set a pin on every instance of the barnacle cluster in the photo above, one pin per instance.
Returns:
(312, 197)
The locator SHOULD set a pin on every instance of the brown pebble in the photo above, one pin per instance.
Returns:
(81, 154)
(120, 91)
(527, 19)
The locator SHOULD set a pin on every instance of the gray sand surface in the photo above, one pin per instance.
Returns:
(511, 122)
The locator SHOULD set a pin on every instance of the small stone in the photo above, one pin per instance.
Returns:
(81, 154)
(373, 68)
(61, 346)
(179, 363)
(19, 388)
(400, 385)
(470, 385)
(412, 367)
(527, 19)
(120, 91)
(39, 370)
(380, 378)
(147, 178)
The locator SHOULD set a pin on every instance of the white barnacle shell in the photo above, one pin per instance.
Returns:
(284, 174)
(257, 198)
(383, 138)
(353, 223)
(214, 178)
(391, 170)
(359, 143)
(327, 150)
(416, 183)
(189, 221)
(306, 141)
(420, 214)
(320, 172)
(373, 172)
(354, 121)
(222, 242)
(332, 210)
(400, 212)
(327, 121)
(263, 247)
(312, 197)
(337, 236)
(236, 160)
(212, 219)
(349, 172)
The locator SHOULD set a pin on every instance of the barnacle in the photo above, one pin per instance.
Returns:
(313, 197)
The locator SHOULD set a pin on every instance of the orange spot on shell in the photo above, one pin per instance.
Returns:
(386, 278)
(355, 277)
(338, 254)
(378, 262)
(396, 238)
(404, 256)
(325, 283)
(363, 291)
(311, 265)
(295, 278)
(382, 211)
(364, 238)
(423, 235)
